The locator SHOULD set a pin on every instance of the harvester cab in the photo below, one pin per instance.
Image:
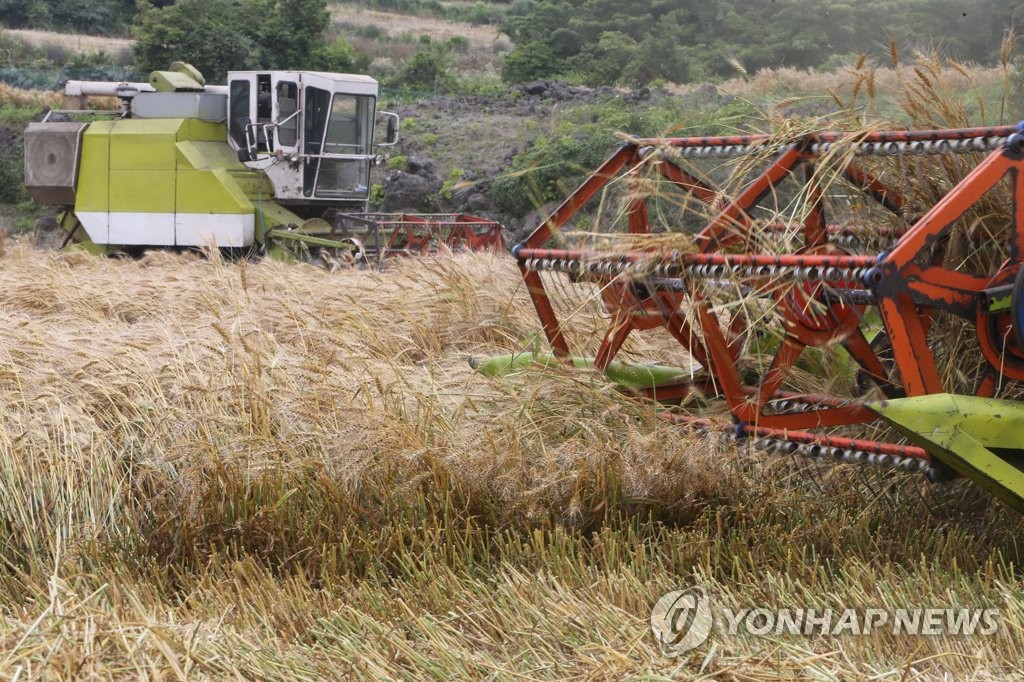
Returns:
(312, 133)
(276, 161)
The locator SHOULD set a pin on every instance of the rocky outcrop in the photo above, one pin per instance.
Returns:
(9, 142)
(407, 192)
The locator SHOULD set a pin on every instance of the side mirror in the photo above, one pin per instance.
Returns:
(244, 155)
(391, 136)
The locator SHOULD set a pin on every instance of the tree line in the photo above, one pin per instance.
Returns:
(595, 42)
(635, 42)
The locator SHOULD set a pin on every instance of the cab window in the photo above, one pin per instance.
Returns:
(239, 114)
(287, 105)
(345, 132)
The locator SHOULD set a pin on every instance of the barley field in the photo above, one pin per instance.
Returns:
(214, 470)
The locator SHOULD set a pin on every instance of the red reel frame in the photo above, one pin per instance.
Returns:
(903, 292)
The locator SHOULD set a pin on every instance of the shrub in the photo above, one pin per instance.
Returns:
(339, 57)
(458, 44)
(603, 62)
(370, 32)
(448, 188)
(397, 162)
(429, 68)
(377, 194)
(480, 13)
(12, 177)
(556, 163)
(529, 62)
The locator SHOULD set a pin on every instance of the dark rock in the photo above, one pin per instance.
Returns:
(553, 90)
(641, 95)
(461, 197)
(406, 191)
(8, 141)
(703, 96)
(47, 223)
(54, 118)
(48, 234)
(418, 165)
(478, 203)
(530, 223)
(537, 88)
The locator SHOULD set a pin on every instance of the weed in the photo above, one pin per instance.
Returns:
(397, 162)
(451, 182)
(377, 194)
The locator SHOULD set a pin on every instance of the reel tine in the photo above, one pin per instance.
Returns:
(865, 478)
(923, 484)
(815, 469)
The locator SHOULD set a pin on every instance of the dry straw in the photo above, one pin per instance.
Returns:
(257, 470)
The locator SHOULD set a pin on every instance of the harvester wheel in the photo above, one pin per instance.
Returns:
(347, 254)
(809, 319)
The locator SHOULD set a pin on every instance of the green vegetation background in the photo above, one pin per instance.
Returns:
(629, 43)
(596, 42)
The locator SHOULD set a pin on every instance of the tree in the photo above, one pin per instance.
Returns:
(604, 62)
(216, 36)
(212, 35)
(291, 32)
(605, 41)
(339, 57)
(87, 16)
(92, 16)
(24, 13)
(530, 61)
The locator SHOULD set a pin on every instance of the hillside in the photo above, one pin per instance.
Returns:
(352, 18)
(76, 42)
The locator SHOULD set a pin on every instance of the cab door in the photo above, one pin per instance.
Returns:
(287, 114)
(241, 107)
(263, 111)
(337, 136)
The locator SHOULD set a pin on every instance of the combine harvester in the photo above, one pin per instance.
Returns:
(859, 297)
(275, 161)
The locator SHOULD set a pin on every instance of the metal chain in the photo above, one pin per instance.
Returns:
(964, 146)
